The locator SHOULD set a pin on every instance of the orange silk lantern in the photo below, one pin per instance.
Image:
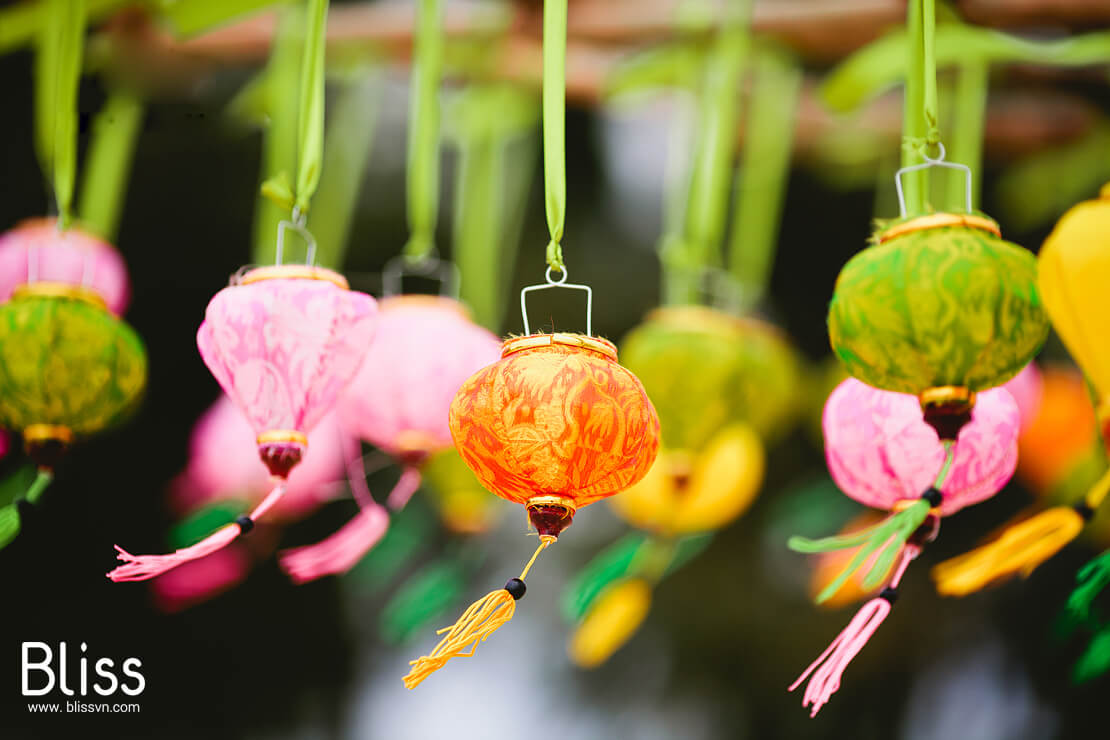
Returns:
(555, 425)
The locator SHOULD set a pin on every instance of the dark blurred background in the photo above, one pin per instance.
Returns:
(726, 635)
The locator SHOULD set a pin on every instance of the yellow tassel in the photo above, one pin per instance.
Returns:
(1021, 548)
(477, 623)
(610, 623)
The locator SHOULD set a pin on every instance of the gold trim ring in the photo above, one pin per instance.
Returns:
(49, 289)
(904, 503)
(549, 500)
(945, 394)
(294, 272)
(531, 341)
(275, 436)
(940, 220)
(47, 433)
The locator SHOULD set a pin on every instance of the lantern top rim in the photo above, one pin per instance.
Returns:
(581, 341)
(66, 291)
(939, 221)
(86, 240)
(292, 272)
(408, 300)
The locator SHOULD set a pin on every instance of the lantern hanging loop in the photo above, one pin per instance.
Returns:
(297, 225)
(929, 163)
(560, 283)
(427, 265)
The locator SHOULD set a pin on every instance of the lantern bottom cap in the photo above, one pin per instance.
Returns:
(947, 409)
(550, 514)
(46, 444)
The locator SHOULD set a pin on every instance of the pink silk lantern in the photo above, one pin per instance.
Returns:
(283, 342)
(1026, 388)
(882, 453)
(223, 464)
(424, 349)
(36, 251)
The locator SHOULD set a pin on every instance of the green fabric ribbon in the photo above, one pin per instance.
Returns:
(57, 78)
(763, 172)
(423, 141)
(554, 127)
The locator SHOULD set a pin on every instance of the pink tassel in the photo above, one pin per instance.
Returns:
(826, 675)
(402, 492)
(340, 552)
(200, 580)
(144, 567)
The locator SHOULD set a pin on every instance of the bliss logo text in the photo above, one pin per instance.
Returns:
(40, 673)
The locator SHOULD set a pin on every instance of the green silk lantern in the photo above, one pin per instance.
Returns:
(940, 307)
(745, 370)
(67, 367)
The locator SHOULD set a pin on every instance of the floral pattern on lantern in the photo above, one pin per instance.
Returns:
(880, 451)
(556, 418)
(65, 362)
(936, 306)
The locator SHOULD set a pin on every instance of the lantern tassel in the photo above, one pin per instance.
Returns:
(341, 551)
(1092, 578)
(9, 515)
(144, 567)
(477, 623)
(829, 667)
(1021, 548)
(888, 537)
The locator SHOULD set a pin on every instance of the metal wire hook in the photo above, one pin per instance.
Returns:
(297, 225)
(560, 283)
(428, 266)
(929, 162)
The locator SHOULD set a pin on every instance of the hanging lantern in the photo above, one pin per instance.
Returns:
(424, 348)
(223, 473)
(37, 250)
(282, 341)
(68, 368)
(555, 425)
(1074, 266)
(223, 464)
(746, 371)
(883, 454)
(941, 307)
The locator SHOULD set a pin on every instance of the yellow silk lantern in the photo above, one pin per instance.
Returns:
(1074, 275)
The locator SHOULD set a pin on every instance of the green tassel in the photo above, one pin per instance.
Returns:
(9, 515)
(1092, 578)
(888, 537)
(9, 524)
(1096, 660)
